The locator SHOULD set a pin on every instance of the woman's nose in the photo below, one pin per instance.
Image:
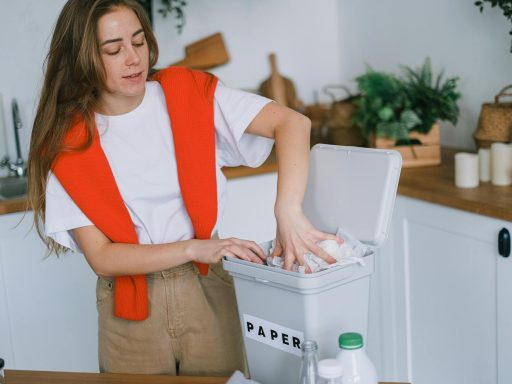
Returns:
(133, 57)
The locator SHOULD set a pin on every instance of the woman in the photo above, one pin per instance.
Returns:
(127, 171)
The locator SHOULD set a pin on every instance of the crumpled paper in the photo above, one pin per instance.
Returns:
(238, 378)
(350, 252)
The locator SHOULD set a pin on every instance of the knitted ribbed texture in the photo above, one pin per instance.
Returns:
(189, 96)
(87, 178)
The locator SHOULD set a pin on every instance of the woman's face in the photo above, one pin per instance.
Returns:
(125, 57)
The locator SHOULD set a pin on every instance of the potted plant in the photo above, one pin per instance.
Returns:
(402, 112)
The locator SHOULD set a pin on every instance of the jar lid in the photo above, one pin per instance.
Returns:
(350, 340)
(330, 368)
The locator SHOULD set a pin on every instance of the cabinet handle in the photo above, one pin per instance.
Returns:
(504, 242)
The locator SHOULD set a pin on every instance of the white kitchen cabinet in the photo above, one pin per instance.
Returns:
(48, 315)
(249, 211)
(440, 309)
(48, 318)
(504, 303)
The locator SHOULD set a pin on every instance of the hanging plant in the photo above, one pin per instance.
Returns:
(175, 7)
(168, 7)
(505, 5)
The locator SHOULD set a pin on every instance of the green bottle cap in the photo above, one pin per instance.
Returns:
(350, 340)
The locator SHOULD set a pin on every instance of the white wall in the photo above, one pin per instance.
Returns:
(316, 43)
(453, 33)
(304, 37)
(25, 29)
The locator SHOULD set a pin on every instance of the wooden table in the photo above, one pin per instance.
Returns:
(40, 377)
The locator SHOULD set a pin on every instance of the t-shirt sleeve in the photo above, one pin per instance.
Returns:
(62, 215)
(234, 110)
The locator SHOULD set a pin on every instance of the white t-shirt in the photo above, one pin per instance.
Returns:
(140, 150)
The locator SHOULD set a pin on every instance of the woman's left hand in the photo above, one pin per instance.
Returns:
(296, 235)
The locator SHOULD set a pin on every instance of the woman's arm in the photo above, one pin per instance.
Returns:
(291, 130)
(117, 259)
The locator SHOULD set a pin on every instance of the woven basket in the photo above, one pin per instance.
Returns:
(494, 123)
(342, 129)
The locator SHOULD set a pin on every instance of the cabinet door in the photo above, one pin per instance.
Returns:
(48, 319)
(249, 210)
(505, 317)
(442, 319)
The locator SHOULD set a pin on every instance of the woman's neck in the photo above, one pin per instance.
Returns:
(112, 105)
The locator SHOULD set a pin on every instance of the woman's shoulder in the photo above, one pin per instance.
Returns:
(154, 89)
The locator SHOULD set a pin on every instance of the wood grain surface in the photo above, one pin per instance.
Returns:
(12, 205)
(41, 377)
(437, 185)
(433, 184)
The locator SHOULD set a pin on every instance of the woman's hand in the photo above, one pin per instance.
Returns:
(296, 235)
(212, 251)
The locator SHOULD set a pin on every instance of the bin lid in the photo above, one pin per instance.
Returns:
(354, 188)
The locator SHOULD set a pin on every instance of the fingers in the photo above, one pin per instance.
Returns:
(278, 250)
(288, 262)
(318, 251)
(244, 249)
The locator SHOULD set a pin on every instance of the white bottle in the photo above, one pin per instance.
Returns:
(330, 371)
(357, 367)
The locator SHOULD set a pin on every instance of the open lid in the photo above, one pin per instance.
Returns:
(354, 188)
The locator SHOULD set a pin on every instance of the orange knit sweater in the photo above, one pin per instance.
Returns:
(87, 177)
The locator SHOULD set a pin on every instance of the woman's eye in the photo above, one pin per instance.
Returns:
(113, 53)
(139, 44)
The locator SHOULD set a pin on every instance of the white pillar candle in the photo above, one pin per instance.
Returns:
(484, 164)
(501, 164)
(466, 170)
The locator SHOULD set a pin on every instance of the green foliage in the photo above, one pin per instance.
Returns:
(505, 5)
(432, 101)
(174, 7)
(382, 107)
(392, 106)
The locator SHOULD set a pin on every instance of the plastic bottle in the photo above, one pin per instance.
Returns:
(309, 365)
(330, 371)
(357, 367)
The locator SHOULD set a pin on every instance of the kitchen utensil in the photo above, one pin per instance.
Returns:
(206, 53)
(280, 88)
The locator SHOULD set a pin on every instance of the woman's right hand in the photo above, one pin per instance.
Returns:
(212, 251)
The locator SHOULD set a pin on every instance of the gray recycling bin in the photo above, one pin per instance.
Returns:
(351, 187)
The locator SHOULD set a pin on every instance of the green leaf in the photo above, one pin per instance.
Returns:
(385, 113)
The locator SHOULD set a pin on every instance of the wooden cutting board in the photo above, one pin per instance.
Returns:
(206, 53)
(280, 88)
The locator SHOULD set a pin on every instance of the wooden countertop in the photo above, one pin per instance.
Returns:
(12, 205)
(40, 377)
(437, 185)
(433, 184)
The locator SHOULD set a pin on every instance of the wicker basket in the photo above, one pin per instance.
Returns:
(342, 130)
(494, 123)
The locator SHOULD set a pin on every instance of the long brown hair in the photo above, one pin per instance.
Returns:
(74, 75)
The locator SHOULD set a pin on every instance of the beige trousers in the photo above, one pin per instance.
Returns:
(193, 328)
